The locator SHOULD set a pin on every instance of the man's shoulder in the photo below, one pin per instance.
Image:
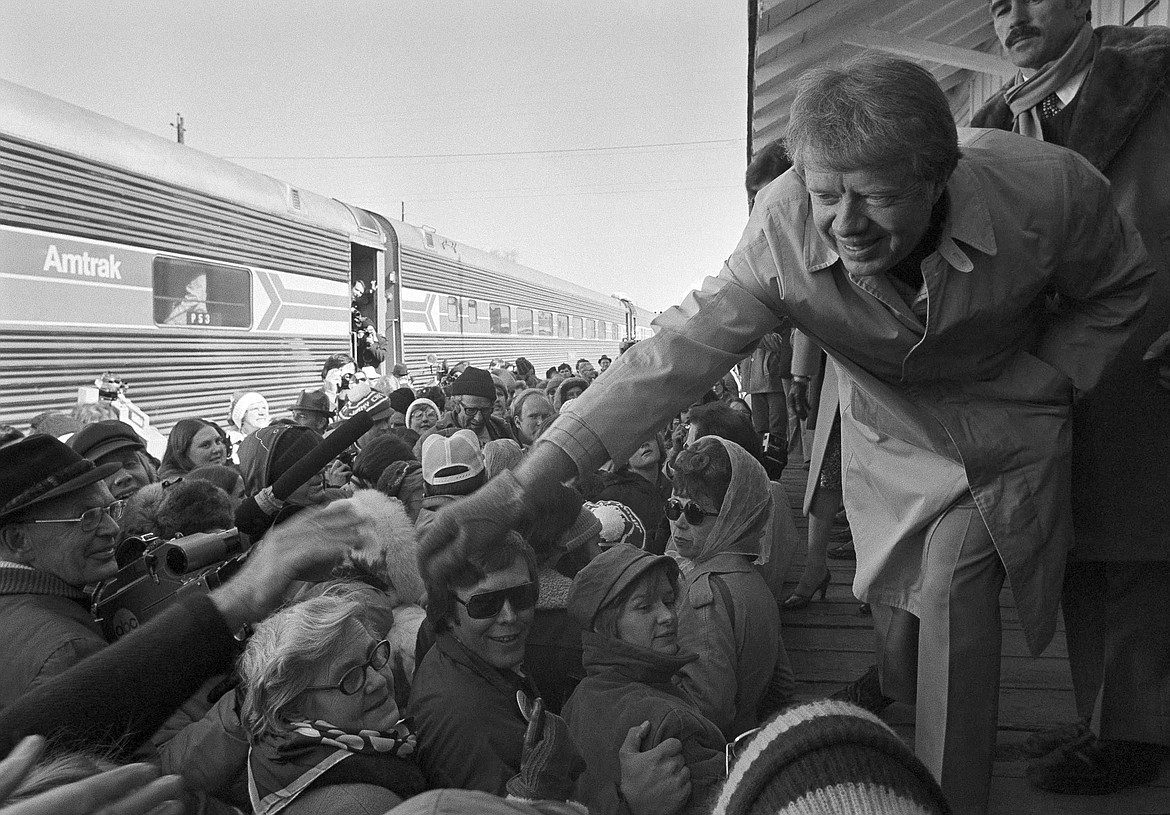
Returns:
(1143, 40)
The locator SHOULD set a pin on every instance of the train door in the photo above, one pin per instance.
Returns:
(367, 337)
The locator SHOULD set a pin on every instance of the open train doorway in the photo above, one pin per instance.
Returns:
(367, 328)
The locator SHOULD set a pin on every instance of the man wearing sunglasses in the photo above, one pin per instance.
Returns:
(58, 527)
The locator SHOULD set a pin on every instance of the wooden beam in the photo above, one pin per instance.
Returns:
(808, 21)
(914, 48)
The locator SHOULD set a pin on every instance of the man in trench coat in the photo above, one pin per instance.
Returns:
(925, 272)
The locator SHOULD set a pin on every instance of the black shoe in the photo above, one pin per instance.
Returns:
(1043, 742)
(865, 692)
(1078, 768)
(843, 552)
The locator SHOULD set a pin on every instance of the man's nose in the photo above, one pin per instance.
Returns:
(850, 218)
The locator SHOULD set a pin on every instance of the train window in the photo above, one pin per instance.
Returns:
(453, 309)
(602, 330)
(591, 329)
(472, 312)
(500, 318)
(562, 325)
(192, 293)
(578, 331)
(523, 321)
(544, 323)
(617, 332)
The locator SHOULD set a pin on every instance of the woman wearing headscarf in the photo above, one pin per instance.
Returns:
(720, 507)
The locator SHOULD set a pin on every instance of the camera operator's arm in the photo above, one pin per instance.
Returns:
(122, 694)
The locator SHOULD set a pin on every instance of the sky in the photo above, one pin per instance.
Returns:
(601, 141)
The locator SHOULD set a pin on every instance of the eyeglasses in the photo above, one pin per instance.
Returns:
(353, 680)
(489, 604)
(91, 519)
(694, 513)
(477, 411)
(735, 747)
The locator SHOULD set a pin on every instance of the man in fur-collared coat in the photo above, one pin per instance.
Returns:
(1105, 93)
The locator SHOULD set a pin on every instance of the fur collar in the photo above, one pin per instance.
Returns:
(1131, 68)
(391, 552)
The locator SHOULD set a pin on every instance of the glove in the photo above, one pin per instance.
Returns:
(549, 764)
(798, 399)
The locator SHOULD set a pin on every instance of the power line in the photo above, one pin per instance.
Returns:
(610, 148)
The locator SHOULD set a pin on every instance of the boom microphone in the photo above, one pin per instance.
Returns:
(254, 515)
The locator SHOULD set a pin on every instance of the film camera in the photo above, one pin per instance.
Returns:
(153, 574)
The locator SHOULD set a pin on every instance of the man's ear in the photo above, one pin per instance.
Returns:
(15, 544)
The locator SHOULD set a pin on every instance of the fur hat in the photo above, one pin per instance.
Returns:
(474, 382)
(391, 551)
(447, 460)
(829, 757)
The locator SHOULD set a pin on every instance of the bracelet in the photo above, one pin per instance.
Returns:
(800, 378)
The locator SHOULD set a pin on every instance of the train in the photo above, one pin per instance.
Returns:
(190, 277)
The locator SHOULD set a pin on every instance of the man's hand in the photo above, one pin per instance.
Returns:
(549, 763)
(306, 547)
(798, 398)
(135, 789)
(654, 782)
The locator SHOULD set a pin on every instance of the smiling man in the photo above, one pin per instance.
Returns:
(58, 525)
(922, 265)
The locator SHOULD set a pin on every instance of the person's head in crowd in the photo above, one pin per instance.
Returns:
(192, 506)
(385, 421)
(401, 400)
(849, 127)
(53, 423)
(565, 370)
(551, 372)
(228, 479)
(436, 394)
(249, 411)
(569, 390)
(768, 165)
(404, 480)
(140, 516)
(452, 465)
(525, 371)
(628, 595)
(1035, 34)
(586, 371)
(90, 412)
(312, 410)
(192, 443)
(115, 442)
(57, 516)
(619, 524)
(550, 387)
(9, 434)
(718, 419)
(376, 457)
(315, 661)
(647, 459)
(500, 455)
(603, 363)
(531, 413)
(336, 366)
(503, 396)
(484, 592)
(473, 398)
(422, 415)
(580, 366)
(721, 500)
(626, 345)
(742, 407)
(270, 452)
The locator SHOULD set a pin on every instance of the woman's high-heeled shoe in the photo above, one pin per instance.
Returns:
(797, 601)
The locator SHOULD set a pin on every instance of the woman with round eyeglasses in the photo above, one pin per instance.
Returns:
(318, 707)
(422, 416)
(468, 689)
(726, 614)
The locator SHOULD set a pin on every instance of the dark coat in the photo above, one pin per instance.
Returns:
(626, 686)
(470, 731)
(1121, 431)
(647, 500)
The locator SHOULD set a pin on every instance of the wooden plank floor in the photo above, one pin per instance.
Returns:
(830, 645)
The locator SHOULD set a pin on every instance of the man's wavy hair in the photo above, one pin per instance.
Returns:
(464, 562)
(873, 111)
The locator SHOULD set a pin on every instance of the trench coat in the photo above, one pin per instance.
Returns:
(976, 398)
(1121, 433)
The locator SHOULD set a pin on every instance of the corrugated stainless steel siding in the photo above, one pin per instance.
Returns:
(170, 376)
(433, 273)
(479, 349)
(45, 189)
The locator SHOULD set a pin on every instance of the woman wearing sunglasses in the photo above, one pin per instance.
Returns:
(481, 598)
(721, 504)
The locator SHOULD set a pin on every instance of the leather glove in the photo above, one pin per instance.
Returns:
(798, 399)
(549, 764)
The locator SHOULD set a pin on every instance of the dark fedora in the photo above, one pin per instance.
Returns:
(313, 401)
(102, 438)
(40, 468)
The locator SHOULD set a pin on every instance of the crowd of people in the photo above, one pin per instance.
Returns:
(501, 593)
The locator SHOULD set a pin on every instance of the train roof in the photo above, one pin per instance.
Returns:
(31, 116)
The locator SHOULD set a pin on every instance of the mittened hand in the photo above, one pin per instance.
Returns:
(550, 763)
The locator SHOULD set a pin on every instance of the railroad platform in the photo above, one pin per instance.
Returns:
(830, 645)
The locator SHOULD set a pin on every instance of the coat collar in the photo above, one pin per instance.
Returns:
(968, 221)
(606, 655)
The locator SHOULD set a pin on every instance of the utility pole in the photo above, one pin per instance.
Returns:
(178, 126)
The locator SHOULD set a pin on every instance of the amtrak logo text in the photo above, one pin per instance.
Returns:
(83, 265)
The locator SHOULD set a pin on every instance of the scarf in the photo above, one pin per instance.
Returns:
(746, 512)
(1025, 95)
(282, 766)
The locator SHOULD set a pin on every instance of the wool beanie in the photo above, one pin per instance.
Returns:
(829, 757)
(474, 382)
(400, 399)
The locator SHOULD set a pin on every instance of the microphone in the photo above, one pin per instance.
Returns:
(254, 515)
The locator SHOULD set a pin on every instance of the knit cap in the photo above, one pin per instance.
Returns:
(825, 758)
(400, 399)
(474, 382)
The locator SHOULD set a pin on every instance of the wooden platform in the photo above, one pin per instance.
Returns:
(831, 644)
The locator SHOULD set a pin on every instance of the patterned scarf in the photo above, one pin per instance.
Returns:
(1025, 95)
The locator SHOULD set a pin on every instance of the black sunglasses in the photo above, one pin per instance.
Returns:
(489, 604)
(694, 513)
